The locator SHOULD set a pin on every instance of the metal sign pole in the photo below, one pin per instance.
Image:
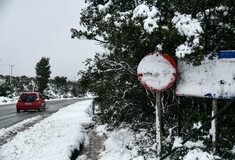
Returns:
(214, 125)
(158, 124)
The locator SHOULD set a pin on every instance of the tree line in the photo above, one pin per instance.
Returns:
(12, 86)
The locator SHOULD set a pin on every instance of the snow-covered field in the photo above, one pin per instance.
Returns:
(57, 136)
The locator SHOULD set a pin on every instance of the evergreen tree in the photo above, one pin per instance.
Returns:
(127, 35)
(42, 73)
(118, 27)
(117, 91)
(61, 83)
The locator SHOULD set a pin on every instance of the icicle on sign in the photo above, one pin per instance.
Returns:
(157, 72)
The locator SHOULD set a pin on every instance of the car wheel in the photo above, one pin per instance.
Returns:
(18, 111)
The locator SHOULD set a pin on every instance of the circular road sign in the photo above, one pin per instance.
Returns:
(157, 72)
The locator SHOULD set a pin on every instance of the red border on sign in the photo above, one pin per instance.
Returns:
(172, 62)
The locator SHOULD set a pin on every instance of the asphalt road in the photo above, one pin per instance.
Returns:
(9, 116)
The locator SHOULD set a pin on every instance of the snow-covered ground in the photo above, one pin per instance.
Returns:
(53, 138)
(5, 100)
(57, 136)
(120, 145)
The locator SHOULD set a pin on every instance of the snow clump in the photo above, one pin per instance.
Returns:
(189, 27)
(151, 15)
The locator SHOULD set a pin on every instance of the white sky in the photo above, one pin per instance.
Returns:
(32, 29)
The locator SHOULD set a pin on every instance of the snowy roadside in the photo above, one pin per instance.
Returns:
(59, 135)
(125, 144)
(5, 100)
(55, 137)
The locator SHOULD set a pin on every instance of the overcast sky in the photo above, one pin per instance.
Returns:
(32, 29)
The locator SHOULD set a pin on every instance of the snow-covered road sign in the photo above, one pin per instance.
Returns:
(157, 72)
(213, 78)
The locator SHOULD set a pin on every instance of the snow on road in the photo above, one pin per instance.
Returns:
(54, 137)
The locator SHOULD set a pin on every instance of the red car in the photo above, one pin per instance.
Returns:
(31, 101)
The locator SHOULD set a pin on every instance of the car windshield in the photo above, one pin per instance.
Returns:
(28, 97)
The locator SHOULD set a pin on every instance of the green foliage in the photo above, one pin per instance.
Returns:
(5, 89)
(117, 91)
(112, 76)
(117, 30)
(24, 84)
(42, 73)
(74, 91)
(61, 83)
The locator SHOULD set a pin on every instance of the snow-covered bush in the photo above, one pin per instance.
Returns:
(129, 30)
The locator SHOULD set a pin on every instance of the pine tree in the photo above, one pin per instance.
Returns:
(42, 73)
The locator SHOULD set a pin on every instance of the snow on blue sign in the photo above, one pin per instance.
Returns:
(213, 78)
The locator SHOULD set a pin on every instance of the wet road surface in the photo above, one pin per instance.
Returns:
(9, 116)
